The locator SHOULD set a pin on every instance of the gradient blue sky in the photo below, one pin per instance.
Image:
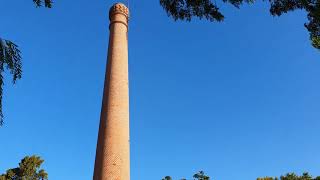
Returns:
(238, 99)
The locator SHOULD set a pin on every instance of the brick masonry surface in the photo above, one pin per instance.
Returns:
(113, 149)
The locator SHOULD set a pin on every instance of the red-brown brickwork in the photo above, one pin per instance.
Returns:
(113, 149)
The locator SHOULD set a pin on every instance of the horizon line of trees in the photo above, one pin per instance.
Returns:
(30, 169)
(289, 176)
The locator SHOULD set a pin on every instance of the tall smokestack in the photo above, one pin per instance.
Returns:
(113, 149)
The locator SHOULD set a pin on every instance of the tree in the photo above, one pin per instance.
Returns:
(198, 176)
(201, 176)
(292, 176)
(28, 170)
(10, 58)
(167, 178)
(47, 3)
(186, 9)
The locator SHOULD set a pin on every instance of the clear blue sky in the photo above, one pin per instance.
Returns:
(238, 99)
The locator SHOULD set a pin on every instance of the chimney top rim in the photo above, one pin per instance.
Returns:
(119, 8)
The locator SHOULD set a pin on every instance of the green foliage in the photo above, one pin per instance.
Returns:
(47, 3)
(292, 176)
(201, 176)
(28, 170)
(198, 176)
(186, 9)
(167, 178)
(312, 7)
(10, 59)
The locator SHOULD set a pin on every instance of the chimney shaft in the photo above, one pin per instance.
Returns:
(113, 149)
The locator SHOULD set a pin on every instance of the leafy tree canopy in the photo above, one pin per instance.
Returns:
(201, 176)
(167, 178)
(29, 169)
(186, 9)
(292, 176)
(47, 3)
(198, 176)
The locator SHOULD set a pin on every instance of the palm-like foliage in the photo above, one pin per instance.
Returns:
(10, 59)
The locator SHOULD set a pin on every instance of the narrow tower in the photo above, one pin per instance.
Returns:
(113, 150)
